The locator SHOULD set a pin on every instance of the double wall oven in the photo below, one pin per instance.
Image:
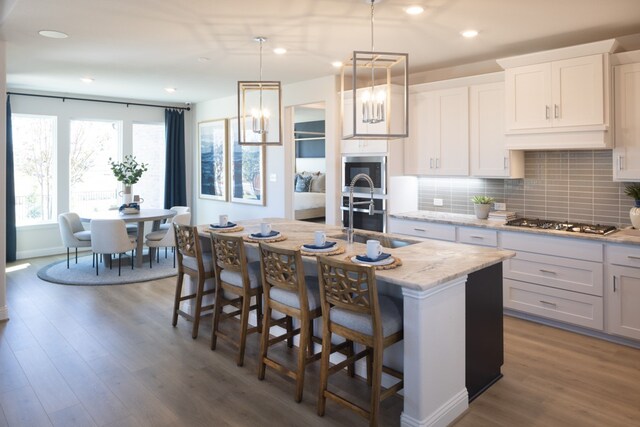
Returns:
(376, 168)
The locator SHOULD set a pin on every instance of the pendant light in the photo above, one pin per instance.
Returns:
(259, 109)
(375, 93)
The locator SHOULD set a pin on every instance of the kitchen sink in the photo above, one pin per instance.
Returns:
(385, 241)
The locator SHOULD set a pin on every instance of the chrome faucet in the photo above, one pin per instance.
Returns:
(352, 203)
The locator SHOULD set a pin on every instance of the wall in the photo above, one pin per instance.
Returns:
(44, 239)
(558, 185)
(280, 160)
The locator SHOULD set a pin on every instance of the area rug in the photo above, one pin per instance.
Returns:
(84, 274)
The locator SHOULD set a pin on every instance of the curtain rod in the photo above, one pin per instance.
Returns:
(64, 98)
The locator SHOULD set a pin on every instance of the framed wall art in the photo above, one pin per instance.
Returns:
(212, 159)
(247, 169)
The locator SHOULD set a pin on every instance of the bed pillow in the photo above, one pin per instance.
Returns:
(303, 183)
(318, 183)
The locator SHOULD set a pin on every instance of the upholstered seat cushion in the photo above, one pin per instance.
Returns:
(156, 235)
(83, 235)
(291, 299)
(235, 277)
(391, 313)
(192, 262)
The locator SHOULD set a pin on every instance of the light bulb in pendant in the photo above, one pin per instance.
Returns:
(260, 120)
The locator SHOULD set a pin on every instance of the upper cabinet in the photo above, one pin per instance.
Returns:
(626, 155)
(559, 99)
(438, 142)
(488, 156)
(556, 94)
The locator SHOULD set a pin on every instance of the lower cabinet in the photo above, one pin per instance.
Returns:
(622, 290)
(428, 230)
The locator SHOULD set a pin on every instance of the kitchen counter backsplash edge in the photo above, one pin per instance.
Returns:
(499, 224)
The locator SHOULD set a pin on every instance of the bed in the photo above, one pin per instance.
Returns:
(309, 197)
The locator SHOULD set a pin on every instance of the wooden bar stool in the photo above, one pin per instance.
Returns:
(352, 308)
(197, 265)
(235, 276)
(289, 292)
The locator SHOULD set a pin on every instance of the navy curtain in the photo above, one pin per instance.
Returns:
(11, 191)
(175, 184)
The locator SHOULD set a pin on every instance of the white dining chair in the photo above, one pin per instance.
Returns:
(179, 210)
(109, 236)
(73, 233)
(166, 238)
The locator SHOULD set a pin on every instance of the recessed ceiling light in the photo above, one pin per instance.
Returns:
(87, 80)
(414, 10)
(52, 34)
(469, 33)
(170, 89)
(204, 59)
(279, 51)
(337, 64)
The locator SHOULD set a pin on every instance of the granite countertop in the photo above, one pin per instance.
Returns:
(425, 264)
(627, 236)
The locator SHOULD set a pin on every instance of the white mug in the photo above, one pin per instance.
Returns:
(374, 250)
(265, 228)
(320, 238)
(222, 221)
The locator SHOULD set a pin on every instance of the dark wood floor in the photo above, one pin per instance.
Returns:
(108, 356)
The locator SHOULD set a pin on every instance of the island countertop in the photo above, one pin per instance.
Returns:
(425, 264)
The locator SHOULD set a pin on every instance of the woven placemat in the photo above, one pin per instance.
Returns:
(337, 251)
(227, 230)
(397, 262)
(279, 238)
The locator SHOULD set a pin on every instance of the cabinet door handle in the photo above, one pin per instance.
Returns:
(431, 163)
(477, 237)
(547, 112)
(556, 111)
(437, 163)
(614, 283)
(620, 163)
(505, 163)
(633, 257)
(549, 303)
(548, 271)
(420, 229)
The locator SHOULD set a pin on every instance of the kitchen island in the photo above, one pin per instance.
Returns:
(433, 284)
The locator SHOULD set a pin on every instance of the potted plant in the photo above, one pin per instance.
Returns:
(633, 190)
(482, 206)
(128, 172)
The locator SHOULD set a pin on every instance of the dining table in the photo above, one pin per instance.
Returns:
(144, 215)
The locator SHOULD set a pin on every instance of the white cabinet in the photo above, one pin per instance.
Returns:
(488, 156)
(626, 155)
(556, 94)
(427, 230)
(623, 290)
(438, 142)
(359, 146)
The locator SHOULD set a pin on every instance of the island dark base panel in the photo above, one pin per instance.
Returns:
(484, 329)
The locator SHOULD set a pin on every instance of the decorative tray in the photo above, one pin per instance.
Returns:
(227, 230)
(278, 238)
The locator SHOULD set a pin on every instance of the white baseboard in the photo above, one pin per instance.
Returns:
(443, 416)
(4, 313)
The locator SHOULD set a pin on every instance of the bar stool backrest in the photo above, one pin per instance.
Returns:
(283, 269)
(229, 254)
(188, 244)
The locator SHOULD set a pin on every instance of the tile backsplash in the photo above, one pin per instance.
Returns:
(559, 185)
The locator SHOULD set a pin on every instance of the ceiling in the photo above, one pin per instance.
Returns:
(136, 48)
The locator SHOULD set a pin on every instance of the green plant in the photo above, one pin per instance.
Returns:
(482, 200)
(128, 171)
(633, 191)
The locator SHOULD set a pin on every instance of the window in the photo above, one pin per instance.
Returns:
(34, 154)
(149, 146)
(92, 185)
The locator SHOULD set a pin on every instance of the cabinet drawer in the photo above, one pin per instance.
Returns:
(427, 230)
(563, 273)
(557, 246)
(626, 255)
(570, 307)
(478, 236)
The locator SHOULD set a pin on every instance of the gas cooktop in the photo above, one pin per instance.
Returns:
(574, 227)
